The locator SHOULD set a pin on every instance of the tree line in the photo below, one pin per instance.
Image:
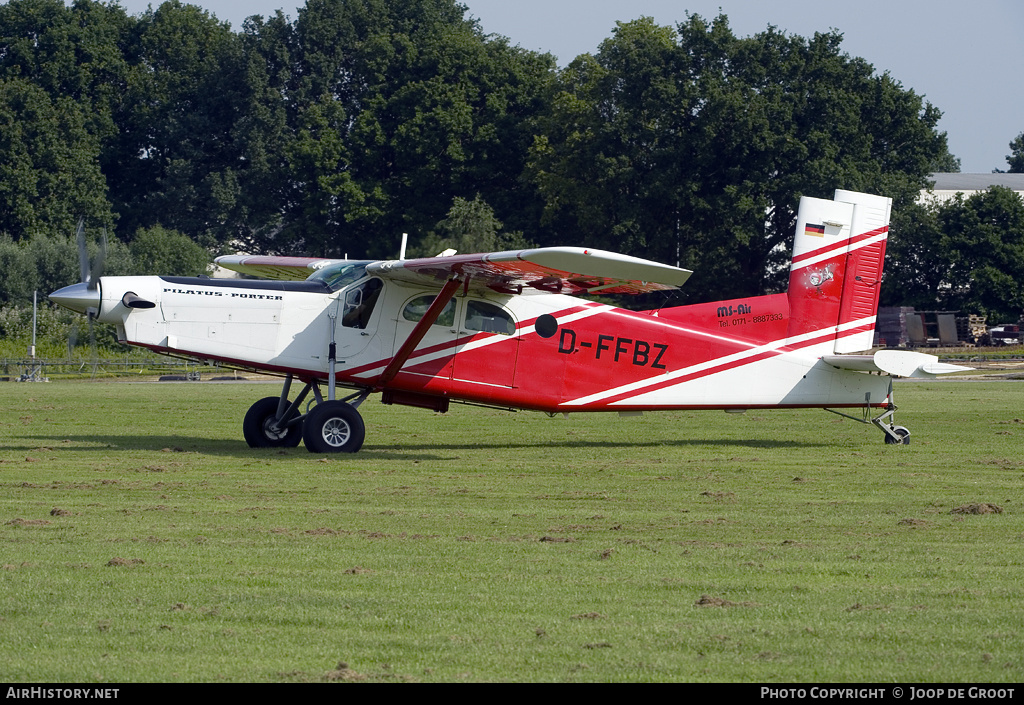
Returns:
(333, 133)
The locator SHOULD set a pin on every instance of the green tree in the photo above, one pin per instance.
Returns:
(983, 236)
(393, 109)
(18, 280)
(48, 262)
(49, 174)
(175, 161)
(264, 132)
(63, 72)
(1016, 156)
(692, 146)
(470, 227)
(964, 254)
(158, 250)
(82, 52)
(915, 266)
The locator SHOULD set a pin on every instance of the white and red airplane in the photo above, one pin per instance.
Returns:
(505, 330)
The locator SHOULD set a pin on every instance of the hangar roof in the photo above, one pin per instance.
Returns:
(976, 182)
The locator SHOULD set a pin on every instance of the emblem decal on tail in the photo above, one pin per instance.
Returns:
(820, 277)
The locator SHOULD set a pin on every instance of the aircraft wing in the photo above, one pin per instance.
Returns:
(565, 270)
(293, 268)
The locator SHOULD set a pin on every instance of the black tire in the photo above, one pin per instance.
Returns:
(903, 433)
(333, 427)
(256, 427)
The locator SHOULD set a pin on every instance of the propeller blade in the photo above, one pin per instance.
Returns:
(101, 258)
(83, 253)
(72, 338)
(92, 313)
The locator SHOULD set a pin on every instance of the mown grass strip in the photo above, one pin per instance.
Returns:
(143, 541)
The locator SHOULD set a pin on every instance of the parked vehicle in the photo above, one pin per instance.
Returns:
(1005, 334)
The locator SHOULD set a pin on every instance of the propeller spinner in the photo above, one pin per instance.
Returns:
(82, 297)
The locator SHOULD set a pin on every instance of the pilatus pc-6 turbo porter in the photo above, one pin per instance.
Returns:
(505, 330)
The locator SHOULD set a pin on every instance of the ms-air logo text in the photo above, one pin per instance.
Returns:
(737, 310)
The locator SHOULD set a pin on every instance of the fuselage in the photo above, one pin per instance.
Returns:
(534, 350)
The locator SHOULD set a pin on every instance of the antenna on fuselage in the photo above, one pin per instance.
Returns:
(405, 241)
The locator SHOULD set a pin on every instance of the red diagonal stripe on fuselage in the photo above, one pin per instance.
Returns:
(823, 336)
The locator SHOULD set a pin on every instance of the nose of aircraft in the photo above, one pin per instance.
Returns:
(77, 297)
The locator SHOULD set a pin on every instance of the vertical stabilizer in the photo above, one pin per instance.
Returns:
(836, 270)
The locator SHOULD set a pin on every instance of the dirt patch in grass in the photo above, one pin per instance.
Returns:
(322, 531)
(343, 673)
(709, 601)
(977, 508)
(718, 495)
(858, 606)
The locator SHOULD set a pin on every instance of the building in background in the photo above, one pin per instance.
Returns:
(948, 185)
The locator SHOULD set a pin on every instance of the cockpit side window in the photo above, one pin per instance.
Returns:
(360, 302)
(417, 308)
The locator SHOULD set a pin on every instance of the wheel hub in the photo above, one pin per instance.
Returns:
(336, 432)
(273, 431)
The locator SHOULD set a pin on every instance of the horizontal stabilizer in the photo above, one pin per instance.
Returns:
(898, 363)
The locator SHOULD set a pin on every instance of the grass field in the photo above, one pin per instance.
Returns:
(141, 540)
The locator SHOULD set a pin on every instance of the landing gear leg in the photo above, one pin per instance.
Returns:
(894, 435)
(332, 426)
(273, 422)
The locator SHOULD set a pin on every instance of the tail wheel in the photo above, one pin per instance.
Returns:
(904, 436)
(333, 427)
(262, 429)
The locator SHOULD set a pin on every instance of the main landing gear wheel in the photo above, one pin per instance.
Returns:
(333, 427)
(262, 428)
(902, 436)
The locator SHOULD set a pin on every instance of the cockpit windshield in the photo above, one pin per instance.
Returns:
(338, 276)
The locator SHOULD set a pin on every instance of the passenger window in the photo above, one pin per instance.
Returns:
(488, 318)
(417, 308)
(359, 303)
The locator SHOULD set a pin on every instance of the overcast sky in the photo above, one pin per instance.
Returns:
(967, 59)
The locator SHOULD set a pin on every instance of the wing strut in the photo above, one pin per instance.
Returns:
(442, 299)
